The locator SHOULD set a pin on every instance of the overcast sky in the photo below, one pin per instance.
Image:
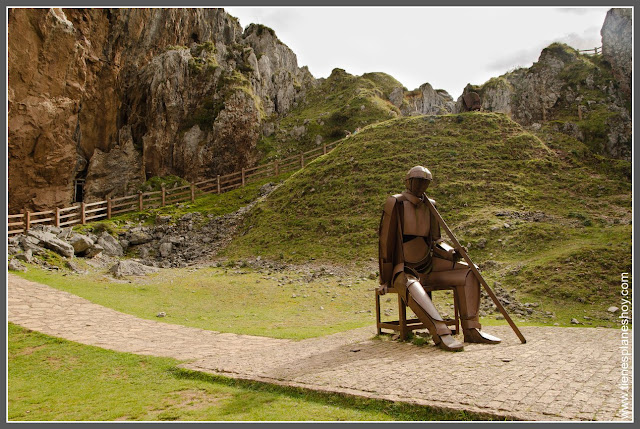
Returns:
(445, 46)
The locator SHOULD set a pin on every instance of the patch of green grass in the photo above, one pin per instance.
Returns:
(330, 210)
(51, 379)
(484, 165)
(243, 301)
(157, 182)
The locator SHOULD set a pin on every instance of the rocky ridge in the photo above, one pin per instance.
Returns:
(174, 84)
(585, 96)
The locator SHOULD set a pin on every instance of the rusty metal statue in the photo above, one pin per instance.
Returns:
(412, 254)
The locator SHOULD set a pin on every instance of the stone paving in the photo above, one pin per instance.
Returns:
(559, 374)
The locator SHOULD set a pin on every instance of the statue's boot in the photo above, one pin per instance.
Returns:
(449, 343)
(474, 335)
(414, 295)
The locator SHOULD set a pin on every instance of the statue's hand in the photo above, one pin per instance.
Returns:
(383, 288)
(455, 255)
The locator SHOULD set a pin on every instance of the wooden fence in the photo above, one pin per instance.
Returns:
(592, 51)
(82, 213)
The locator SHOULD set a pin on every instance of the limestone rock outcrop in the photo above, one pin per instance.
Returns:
(616, 45)
(114, 173)
(90, 86)
(424, 101)
(577, 91)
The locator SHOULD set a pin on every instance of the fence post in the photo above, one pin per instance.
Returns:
(324, 149)
(276, 167)
(218, 183)
(109, 207)
(193, 192)
(27, 220)
(301, 160)
(139, 200)
(57, 217)
(82, 214)
(164, 195)
(242, 176)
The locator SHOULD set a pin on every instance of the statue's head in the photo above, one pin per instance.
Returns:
(417, 180)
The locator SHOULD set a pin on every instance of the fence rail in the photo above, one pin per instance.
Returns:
(592, 51)
(85, 212)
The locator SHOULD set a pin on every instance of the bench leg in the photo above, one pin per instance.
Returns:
(402, 321)
(378, 313)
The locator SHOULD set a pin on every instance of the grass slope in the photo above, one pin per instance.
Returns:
(340, 103)
(505, 193)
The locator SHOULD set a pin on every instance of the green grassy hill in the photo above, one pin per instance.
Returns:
(340, 103)
(552, 222)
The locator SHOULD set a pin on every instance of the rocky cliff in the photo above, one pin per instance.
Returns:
(116, 96)
(576, 93)
(616, 45)
(585, 96)
(162, 91)
(422, 101)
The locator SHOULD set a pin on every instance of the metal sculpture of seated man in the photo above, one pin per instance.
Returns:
(412, 254)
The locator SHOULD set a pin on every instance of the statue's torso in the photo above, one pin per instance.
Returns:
(416, 228)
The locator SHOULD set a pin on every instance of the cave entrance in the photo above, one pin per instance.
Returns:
(78, 190)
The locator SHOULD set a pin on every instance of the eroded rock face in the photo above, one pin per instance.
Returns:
(114, 173)
(423, 101)
(576, 91)
(90, 86)
(616, 45)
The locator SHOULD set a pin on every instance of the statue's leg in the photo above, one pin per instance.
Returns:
(414, 295)
(469, 297)
(445, 273)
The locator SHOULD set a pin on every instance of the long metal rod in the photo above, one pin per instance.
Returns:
(468, 260)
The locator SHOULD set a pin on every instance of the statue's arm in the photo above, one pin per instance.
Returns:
(441, 248)
(387, 243)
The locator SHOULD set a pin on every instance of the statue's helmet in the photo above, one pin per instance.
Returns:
(418, 172)
(418, 179)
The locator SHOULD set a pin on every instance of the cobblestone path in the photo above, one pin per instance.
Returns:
(560, 374)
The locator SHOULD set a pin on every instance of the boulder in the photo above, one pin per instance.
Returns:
(50, 241)
(165, 249)
(612, 309)
(30, 243)
(162, 219)
(80, 243)
(15, 265)
(110, 245)
(138, 236)
(396, 96)
(27, 256)
(131, 268)
(93, 251)
(64, 233)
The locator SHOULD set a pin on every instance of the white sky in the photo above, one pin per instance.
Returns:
(447, 47)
